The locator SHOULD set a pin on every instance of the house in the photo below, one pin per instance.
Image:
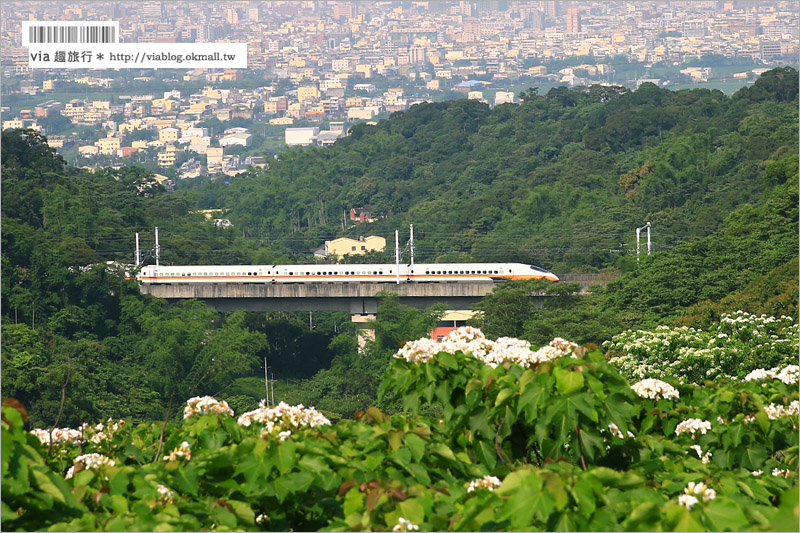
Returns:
(361, 214)
(450, 321)
(126, 151)
(346, 246)
(300, 136)
(240, 139)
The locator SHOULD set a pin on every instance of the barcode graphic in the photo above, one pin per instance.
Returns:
(72, 34)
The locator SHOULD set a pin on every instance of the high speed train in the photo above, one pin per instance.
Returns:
(385, 273)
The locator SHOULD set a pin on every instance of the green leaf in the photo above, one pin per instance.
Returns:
(293, 483)
(724, 514)
(395, 439)
(185, 479)
(47, 485)
(679, 518)
(568, 381)
(487, 454)
(478, 423)
(504, 395)
(644, 513)
(287, 455)
(353, 501)
(591, 441)
(763, 421)
(416, 445)
(413, 510)
(752, 457)
(447, 360)
(583, 404)
(555, 487)
(532, 399)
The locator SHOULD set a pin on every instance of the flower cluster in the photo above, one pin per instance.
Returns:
(692, 425)
(60, 436)
(165, 495)
(204, 405)
(99, 432)
(780, 472)
(280, 421)
(263, 518)
(787, 375)
(90, 461)
(184, 451)
(775, 411)
(504, 350)
(405, 525)
(486, 482)
(730, 349)
(614, 429)
(653, 389)
(690, 494)
(705, 458)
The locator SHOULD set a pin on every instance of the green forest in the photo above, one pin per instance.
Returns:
(560, 181)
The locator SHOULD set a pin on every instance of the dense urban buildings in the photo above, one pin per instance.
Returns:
(318, 64)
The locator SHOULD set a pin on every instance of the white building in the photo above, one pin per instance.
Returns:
(241, 139)
(300, 136)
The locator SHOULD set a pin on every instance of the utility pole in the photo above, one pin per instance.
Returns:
(397, 254)
(638, 230)
(138, 254)
(158, 248)
(266, 380)
(411, 243)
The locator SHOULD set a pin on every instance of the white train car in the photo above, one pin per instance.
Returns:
(366, 273)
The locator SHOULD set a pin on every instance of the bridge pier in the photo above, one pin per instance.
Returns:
(363, 332)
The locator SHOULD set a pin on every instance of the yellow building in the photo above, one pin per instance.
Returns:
(168, 134)
(365, 70)
(309, 92)
(48, 85)
(344, 246)
(109, 145)
(101, 104)
(167, 157)
(214, 156)
(74, 110)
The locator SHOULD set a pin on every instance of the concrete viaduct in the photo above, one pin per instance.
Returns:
(354, 298)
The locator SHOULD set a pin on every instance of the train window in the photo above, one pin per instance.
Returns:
(461, 272)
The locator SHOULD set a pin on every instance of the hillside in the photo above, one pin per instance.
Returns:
(561, 180)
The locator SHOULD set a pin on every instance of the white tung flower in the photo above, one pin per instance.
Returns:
(281, 420)
(687, 500)
(704, 458)
(700, 490)
(775, 411)
(184, 452)
(60, 436)
(692, 425)
(789, 374)
(653, 389)
(165, 495)
(405, 525)
(486, 482)
(203, 405)
(89, 461)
